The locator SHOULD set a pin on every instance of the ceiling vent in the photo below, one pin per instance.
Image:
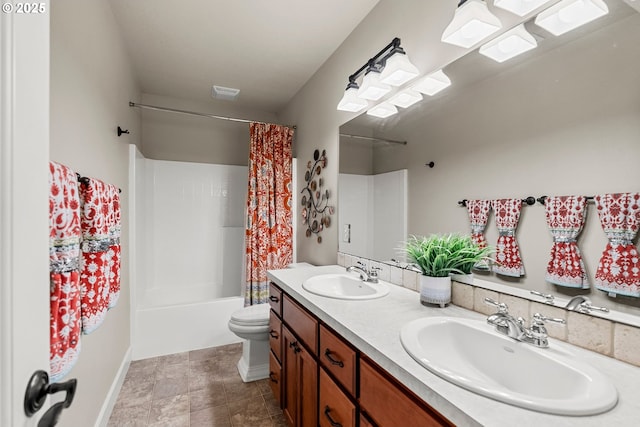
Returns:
(225, 93)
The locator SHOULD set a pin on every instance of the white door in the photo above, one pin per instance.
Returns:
(24, 156)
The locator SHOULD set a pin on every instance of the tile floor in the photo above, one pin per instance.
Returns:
(197, 388)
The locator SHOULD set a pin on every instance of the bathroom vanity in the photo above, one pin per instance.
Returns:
(340, 362)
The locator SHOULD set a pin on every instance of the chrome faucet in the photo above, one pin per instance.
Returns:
(367, 276)
(504, 322)
(514, 328)
(582, 304)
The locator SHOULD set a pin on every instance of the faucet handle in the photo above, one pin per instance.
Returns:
(502, 307)
(539, 320)
(548, 298)
(586, 307)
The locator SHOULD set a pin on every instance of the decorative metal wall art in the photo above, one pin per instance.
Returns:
(316, 212)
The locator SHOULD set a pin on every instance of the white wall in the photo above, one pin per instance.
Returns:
(193, 231)
(91, 85)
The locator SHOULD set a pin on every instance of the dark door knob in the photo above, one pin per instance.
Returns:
(36, 394)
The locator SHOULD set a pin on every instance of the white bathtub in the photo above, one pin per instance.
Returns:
(167, 329)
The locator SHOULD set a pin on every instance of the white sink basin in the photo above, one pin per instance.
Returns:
(469, 353)
(345, 286)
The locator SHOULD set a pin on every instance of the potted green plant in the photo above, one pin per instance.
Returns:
(439, 256)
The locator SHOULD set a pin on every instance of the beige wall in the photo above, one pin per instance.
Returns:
(91, 84)
(180, 137)
(551, 134)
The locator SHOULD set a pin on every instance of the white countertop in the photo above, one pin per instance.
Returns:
(373, 327)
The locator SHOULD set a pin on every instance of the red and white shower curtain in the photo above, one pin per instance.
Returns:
(508, 260)
(269, 229)
(565, 219)
(619, 268)
(64, 264)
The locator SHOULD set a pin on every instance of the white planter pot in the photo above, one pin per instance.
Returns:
(435, 290)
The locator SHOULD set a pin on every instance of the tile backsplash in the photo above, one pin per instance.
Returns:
(613, 339)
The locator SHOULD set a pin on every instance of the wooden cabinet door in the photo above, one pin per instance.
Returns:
(300, 383)
(308, 387)
(290, 380)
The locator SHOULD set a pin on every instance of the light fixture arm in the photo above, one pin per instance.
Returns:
(390, 49)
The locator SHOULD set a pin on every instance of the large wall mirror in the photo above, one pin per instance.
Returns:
(562, 119)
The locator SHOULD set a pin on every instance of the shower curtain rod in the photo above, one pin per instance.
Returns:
(195, 113)
(369, 138)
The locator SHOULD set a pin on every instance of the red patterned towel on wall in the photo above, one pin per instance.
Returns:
(508, 260)
(94, 279)
(114, 244)
(619, 268)
(478, 217)
(565, 218)
(64, 253)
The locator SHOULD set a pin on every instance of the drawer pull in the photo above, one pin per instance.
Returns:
(333, 361)
(274, 298)
(273, 333)
(273, 377)
(326, 414)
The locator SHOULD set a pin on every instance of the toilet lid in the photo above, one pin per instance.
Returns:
(252, 315)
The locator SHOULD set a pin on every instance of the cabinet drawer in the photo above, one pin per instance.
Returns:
(299, 320)
(387, 404)
(338, 358)
(275, 336)
(275, 378)
(275, 299)
(335, 408)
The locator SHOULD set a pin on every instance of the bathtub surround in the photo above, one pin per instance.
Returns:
(618, 337)
(181, 279)
(268, 232)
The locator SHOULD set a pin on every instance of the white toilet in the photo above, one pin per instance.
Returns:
(252, 324)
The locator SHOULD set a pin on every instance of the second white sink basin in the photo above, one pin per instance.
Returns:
(344, 286)
(469, 353)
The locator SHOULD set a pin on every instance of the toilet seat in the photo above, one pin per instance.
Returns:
(253, 315)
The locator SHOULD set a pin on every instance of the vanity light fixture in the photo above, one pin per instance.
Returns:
(510, 44)
(397, 68)
(432, 83)
(383, 110)
(390, 66)
(519, 7)
(567, 15)
(406, 98)
(471, 23)
(372, 88)
(350, 100)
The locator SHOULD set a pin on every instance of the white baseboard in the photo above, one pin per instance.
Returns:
(112, 396)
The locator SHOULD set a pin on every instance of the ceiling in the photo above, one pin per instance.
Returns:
(267, 49)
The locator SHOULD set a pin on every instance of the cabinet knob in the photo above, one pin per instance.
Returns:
(274, 298)
(273, 377)
(273, 333)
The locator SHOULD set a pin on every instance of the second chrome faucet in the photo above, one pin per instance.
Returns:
(515, 328)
